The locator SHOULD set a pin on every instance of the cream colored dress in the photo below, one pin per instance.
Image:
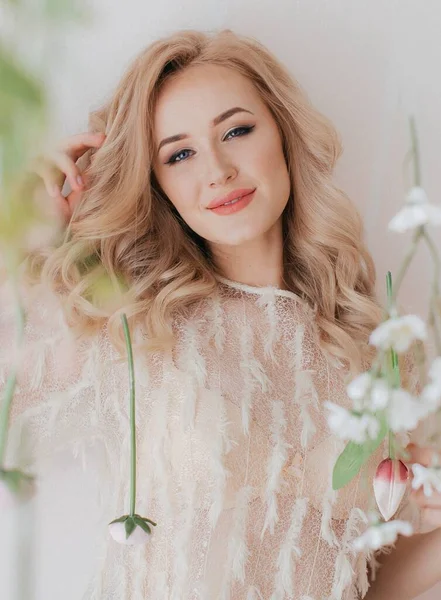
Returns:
(234, 459)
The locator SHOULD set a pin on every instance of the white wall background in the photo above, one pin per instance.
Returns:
(365, 63)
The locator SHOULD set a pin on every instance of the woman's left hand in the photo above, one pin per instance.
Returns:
(429, 506)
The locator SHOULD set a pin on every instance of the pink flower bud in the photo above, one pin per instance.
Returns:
(390, 484)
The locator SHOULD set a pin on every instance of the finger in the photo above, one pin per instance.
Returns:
(52, 177)
(68, 167)
(420, 455)
(73, 200)
(77, 145)
(62, 204)
(433, 501)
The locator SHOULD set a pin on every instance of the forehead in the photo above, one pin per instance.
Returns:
(200, 93)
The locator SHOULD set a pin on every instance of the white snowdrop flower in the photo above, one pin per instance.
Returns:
(435, 370)
(349, 426)
(427, 477)
(398, 333)
(382, 534)
(431, 397)
(138, 535)
(417, 195)
(404, 412)
(374, 392)
(359, 387)
(431, 394)
(416, 212)
(380, 394)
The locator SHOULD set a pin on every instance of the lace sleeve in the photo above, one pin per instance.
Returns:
(52, 378)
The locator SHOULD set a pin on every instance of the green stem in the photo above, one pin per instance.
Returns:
(415, 152)
(406, 263)
(419, 232)
(11, 382)
(435, 291)
(391, 445)
(132, 415)
(389, 290)
(395, 375)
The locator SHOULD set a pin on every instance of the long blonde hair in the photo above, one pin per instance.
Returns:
(119, 226)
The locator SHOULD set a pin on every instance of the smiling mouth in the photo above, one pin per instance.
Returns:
(234, 206)
(233, 201)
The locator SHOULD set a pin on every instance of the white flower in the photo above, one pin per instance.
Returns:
(416, 195)
(435, 370)
(428, 477)
(381, 535)
(380, 395)
(416, 212)
(404, 412)
(398, 333)
(431, 394)
(349, 426)
(138, 528)
(138, 535)
(359, 387)
(375, 392)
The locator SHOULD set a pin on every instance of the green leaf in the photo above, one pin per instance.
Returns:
(141, 523)
(15, 479)
(145, 519)
(130, 526)
(120, 520)
(354, 456)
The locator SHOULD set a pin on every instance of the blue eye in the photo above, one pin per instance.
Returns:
(245, 130)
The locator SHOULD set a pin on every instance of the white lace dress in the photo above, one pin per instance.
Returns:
(234, 460)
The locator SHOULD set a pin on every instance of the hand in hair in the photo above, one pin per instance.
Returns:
(60, 165)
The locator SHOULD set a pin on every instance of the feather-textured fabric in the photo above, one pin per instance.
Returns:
(234, 457)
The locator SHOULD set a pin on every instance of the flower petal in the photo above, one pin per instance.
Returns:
(118, 533)
(417, 195)
(409, 217)
(390, 483)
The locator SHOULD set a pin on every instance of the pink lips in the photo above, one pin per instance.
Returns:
(229, 197)
(236, 206)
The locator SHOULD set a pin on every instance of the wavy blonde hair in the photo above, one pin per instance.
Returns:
(118, 228)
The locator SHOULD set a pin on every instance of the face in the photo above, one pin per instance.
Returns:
(220, 154)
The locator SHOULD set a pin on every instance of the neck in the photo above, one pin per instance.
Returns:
(258, 262)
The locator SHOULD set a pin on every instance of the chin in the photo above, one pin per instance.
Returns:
(238, 238)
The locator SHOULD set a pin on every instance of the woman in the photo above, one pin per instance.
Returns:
(207, 187)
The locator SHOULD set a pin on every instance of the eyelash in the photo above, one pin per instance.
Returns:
(172, 160)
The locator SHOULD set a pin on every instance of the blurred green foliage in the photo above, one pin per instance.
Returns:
(24, 109)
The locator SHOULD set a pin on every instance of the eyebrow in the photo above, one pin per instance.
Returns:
(222, 117)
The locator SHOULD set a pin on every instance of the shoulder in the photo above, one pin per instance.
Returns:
(48, 345)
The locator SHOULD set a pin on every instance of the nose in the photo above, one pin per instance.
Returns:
(220, 170)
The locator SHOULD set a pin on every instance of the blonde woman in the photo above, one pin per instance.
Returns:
(207, 185)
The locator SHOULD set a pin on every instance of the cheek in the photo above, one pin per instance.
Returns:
(267, 164)
(181, 190)
(273, 171)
